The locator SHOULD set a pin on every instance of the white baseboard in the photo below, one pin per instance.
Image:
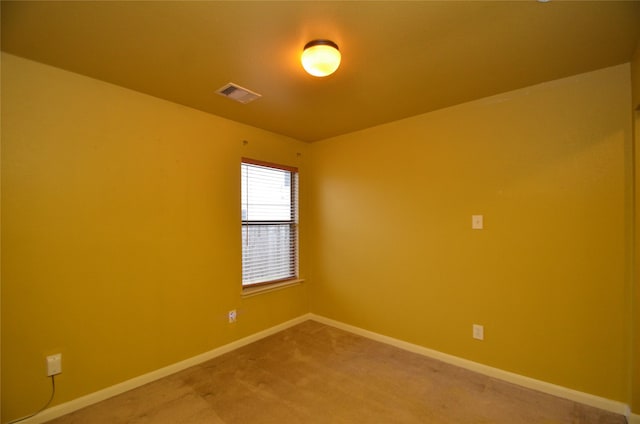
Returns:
(531, 383)
(90, 399)
(552, 389)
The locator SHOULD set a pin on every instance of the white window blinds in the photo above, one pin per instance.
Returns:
(269, 223)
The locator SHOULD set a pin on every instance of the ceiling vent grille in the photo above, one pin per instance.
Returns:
(237, 93)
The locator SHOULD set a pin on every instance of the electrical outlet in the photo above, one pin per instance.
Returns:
(54, 364)
(478, 332)
(232, 316)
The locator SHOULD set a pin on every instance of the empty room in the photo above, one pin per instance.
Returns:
(320, 212)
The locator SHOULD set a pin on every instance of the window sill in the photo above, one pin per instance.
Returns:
(253, 291)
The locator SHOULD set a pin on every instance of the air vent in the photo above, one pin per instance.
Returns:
(237, 93)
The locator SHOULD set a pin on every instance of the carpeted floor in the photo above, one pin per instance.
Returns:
(313, 373)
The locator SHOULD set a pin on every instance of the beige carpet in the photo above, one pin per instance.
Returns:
(313, 373)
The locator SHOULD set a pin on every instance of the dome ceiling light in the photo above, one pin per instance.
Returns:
(320, 57)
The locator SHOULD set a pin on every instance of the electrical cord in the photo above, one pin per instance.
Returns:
(53, 392)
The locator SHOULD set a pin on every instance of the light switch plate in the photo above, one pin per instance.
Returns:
(477, 222)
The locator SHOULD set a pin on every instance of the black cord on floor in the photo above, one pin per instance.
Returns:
(53, 392)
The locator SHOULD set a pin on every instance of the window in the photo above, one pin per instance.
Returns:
(269, 223)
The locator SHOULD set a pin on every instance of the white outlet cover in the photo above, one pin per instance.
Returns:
(478, 332)
(54, 364)
(232, 316)
(477, 222)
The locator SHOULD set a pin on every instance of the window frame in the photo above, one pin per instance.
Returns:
(292, 223)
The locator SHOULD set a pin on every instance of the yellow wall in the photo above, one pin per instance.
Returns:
(635, 383)
(547, 277)
(120, 233)
(635, 77)
(118, 248)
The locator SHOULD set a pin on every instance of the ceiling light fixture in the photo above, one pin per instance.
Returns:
(320, 57)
